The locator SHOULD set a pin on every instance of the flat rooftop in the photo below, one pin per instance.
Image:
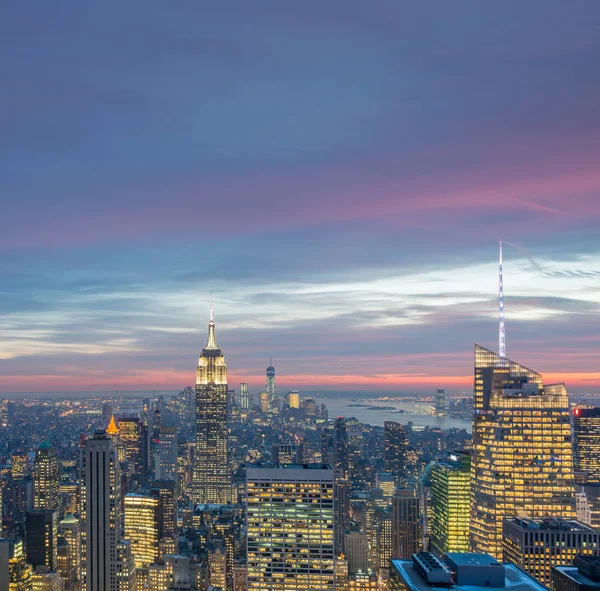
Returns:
(551, 524)
(472, 559)
(574, 573)
(515, 579)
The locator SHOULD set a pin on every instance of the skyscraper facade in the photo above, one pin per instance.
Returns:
(441, 403)
(290, 528)
(536, 545)
(166, 459)
(45, 478)
(270, 385)
(407, 535)
(41, 538)
(522, 451)
(586, 443)
(341, 447)
(165, 492)
(212, 481)
(395, 450)
(244, 398)
(450, 506)
(142, 527)
(101, 513)
(69, 563)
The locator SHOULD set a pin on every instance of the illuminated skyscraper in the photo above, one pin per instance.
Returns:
(166, 459)
(165, 492)
(407, 536)
(133, 435)
(45, 478)
(293, 399)
(15, 573)
(450, 506)
(244, 399)
(125, 571)
(395, 450)
(441, 403)
(212, 480)
(270, 387)
(586, 443)
(536, 545)
(290, 528)
(69, 552)
(41, 539)
(101, 513)
(522, 454)
(142, 527)
(263, 400)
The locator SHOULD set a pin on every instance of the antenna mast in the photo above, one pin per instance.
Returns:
(212, 308)
(501, 331)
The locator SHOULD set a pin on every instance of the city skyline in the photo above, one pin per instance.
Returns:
(361, 164)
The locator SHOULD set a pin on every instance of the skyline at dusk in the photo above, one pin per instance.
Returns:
(339, 175)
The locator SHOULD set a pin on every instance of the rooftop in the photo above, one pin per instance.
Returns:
(515, 579)
(550, 524)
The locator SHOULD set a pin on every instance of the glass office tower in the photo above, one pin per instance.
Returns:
(522, 450)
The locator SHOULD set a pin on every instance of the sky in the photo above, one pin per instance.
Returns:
(339, 174)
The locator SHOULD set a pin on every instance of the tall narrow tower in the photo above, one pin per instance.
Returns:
(501, 331)
(101, 513)
(212, 481)
(270, 389)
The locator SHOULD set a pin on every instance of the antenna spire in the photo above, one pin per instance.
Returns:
(212, 307)
(501, 331)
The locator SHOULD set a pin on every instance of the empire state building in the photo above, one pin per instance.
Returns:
(212, 481)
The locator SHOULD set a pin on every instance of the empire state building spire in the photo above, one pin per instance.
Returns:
(212, 341)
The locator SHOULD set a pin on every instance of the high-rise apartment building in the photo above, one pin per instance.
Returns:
(522, 452)
(212, 481)
(407, 534)
(69, 551)
(290, 528)
(441, 403)
(133, 436)
(586, 443)
(41, 531)
(166, 459)
(244, 397)
(395, 450)
(450, 506)
(125, 569)
(101, 513)
(165, 492)
(536, 545)
(142, 527)
(46, 474)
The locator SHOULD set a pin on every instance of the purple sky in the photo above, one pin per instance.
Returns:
(339, 173)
